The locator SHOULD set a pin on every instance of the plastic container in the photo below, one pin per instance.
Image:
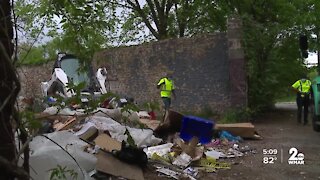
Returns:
(230, 137)
(199, 127)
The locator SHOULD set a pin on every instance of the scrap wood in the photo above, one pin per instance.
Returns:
(67, 125)
(59, 116)
(57, 125)
(62, 119)
(47, 116)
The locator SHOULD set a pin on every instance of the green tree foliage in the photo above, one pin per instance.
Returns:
(82, 27)
(63, 173)
(271, 48)
(37, 54)
(308, 22)
(166, 19)
(31, 54)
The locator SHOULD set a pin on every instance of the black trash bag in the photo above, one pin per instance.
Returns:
(47, 127)
(131, 155)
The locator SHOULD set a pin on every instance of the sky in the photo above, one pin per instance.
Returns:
(312, 59)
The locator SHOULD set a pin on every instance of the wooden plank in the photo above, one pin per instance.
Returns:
(68, 124)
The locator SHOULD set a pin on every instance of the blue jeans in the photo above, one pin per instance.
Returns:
(166, 102)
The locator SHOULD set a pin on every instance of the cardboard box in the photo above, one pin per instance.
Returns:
(245, 130)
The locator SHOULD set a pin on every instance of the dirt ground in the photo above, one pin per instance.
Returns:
(280, 131)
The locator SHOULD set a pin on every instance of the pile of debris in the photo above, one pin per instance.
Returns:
(116, 143)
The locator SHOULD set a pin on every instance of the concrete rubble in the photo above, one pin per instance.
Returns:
(113, 143)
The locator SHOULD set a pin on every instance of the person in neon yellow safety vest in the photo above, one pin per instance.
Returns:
(167, 90)
(302, 88)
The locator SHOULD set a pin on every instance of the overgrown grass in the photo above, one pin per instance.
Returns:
(236, 115)
(287, 98)
(206, 113)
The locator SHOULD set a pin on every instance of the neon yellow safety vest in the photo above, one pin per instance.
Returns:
(303, 87)
(166, 87)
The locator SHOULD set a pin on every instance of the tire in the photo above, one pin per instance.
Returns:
(316, 123)
(56, 87)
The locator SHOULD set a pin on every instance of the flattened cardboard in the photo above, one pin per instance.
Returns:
(191, 148)
(111, 165)
(105, 142)
(245, 130)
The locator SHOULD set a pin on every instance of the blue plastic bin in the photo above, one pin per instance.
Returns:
(195, 126)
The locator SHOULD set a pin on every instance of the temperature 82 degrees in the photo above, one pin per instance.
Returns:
(269, 155)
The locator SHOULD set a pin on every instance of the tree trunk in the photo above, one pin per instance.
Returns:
(9, 87)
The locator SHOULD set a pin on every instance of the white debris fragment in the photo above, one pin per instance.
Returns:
(160, 150)
(183, 160)
(169, 173)
(215, 154)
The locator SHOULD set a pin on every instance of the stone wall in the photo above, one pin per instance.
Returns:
(237, 64)
(31, 78)
(200, 70)
(208, 70)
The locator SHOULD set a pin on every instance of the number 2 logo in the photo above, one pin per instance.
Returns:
(294, 155)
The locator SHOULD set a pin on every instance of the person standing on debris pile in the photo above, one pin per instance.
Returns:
(167, 88)
(302, 88)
